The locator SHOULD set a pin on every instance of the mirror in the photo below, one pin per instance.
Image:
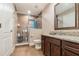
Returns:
(65, 16)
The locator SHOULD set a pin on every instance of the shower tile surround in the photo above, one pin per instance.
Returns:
(65, 32)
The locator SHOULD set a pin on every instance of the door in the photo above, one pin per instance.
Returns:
(6, 46)
(6, 17)
(6, 28)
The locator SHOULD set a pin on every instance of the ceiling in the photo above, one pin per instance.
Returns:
(35, 8)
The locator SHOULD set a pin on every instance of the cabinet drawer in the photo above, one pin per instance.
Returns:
(72, 47)
(71, 44)
(68, 53)
(55, 41)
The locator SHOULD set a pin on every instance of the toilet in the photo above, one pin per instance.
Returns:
(37, 44)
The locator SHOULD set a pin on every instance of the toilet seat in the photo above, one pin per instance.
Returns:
(37, 41)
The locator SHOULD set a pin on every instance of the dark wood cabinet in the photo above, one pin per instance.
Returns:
(52, 46)
(55, 47)
(55, 50)
(47, 47)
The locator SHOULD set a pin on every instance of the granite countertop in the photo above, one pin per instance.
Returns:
(65, 37)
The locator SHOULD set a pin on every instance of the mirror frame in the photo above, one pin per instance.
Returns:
(76, 19)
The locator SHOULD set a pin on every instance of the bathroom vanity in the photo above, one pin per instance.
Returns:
(66, 18)
(57, 45)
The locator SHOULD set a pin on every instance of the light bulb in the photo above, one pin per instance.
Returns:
(18, 24)
(29, 12)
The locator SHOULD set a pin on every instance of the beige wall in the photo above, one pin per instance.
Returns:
(48, 19)
(23, 21)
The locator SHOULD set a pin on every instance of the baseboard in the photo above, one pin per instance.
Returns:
(19, 44)
(11, 51)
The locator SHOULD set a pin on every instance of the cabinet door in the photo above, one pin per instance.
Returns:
(47, 47)
(55, 50)
(68, 53)
(42, 45)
